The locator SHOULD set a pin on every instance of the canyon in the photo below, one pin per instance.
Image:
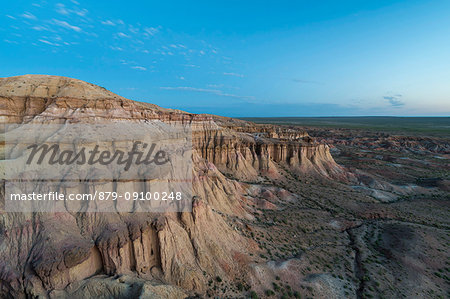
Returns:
(274, 212)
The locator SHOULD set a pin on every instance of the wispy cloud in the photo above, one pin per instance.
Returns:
(63, 10)
(49, 43)
(133, 29)
(234, 75)
(150, 31)
(28, 15)
(108, 23)
(304, 81)
(395, 100)
(210, 91)
(121, 34)
(215, 85)
(140, 68)
(67, 20)
(66, 25)
(10, 41)
(188, 88)
(39, 28)
(191, 65)
(81, 12)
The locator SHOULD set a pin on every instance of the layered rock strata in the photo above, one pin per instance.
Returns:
(58, 254)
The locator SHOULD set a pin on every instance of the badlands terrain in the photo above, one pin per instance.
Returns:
(278, 211)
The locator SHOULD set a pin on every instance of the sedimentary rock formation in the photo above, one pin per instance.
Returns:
(155, 254)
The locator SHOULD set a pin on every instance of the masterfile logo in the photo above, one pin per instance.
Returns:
(117, 166)
(55, 155)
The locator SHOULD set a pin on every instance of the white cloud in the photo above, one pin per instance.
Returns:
(71, 22)
(133, 29)
(141, 68)
(234, 75)
(66, 25)
(28, 15)
(304, 81)
(395, 100)
(151, 31)
(108, 23)
(81, 13)
(39, 28)
(48, 43)
(215, 85)
(10, 41)
(121, 34)
(211, 91)
(61, 9)
(191, 89)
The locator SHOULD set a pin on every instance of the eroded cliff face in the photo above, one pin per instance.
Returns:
(161, 254)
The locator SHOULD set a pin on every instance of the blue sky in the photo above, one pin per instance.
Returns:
(242, 58)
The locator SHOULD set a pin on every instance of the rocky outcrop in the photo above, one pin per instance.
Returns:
(58, 254)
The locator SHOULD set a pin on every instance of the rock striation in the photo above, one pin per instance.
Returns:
(171, 255)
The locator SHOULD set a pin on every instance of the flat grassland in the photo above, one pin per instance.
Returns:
(431, 126)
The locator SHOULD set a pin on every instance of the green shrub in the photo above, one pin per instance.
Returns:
(240, 286)
(269, 293)
(276, 287)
